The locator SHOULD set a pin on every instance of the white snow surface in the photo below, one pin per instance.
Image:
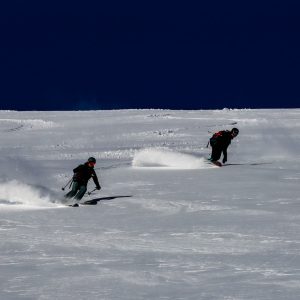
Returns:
(190, 230)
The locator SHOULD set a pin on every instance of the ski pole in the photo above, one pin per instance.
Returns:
(69, 182)
(89, 193)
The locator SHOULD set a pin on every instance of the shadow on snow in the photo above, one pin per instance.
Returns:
(96, 200)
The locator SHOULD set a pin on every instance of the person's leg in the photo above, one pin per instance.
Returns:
(73, 192)
(215, 154)
(81, 192)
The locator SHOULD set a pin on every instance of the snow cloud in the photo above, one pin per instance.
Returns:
(17, 194)
(165, 158)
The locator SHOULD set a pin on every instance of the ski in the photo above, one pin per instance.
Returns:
(73, 205)
(215, 163)
(95, 201)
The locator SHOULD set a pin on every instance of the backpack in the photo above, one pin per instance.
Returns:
(213, 140)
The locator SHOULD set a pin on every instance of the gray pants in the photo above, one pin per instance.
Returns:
(78, 191)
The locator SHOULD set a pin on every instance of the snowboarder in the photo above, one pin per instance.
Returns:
(220, 142)
(82, 174)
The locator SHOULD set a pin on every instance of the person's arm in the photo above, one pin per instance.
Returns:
(226, 143)
(96, 181)
(225, 155)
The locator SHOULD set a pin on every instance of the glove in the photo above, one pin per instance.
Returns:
(98, 188)
(224, 160)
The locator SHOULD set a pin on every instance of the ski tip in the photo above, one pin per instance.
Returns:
(90, 202)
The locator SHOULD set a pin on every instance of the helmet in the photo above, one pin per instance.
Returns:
(92, 159)
(235, 131)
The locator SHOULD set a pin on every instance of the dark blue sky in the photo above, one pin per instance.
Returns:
(149, 54)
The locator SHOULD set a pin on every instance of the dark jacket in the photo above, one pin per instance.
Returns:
(83, 173)
(221, 140)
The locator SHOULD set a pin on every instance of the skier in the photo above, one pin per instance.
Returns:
(82, 174)
(219, 143)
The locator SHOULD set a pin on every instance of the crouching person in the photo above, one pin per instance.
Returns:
(82, 174)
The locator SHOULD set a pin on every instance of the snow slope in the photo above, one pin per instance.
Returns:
(190, 230)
